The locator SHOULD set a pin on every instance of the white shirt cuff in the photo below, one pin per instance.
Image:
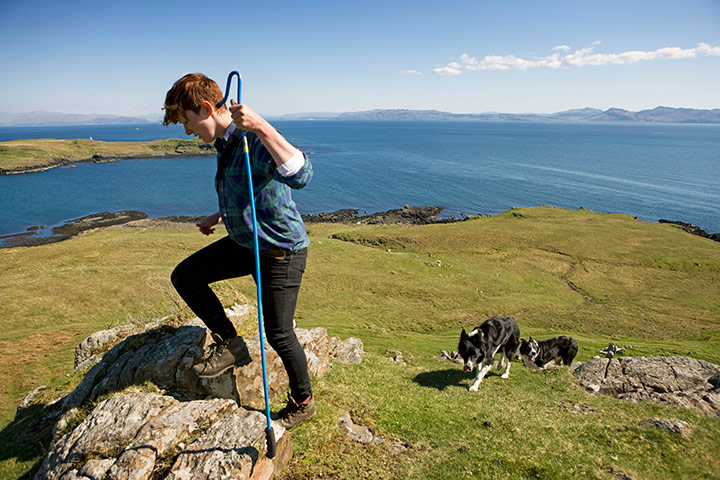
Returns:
(292, 166)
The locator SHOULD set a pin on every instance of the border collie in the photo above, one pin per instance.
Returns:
(478, 348)
(539, 354)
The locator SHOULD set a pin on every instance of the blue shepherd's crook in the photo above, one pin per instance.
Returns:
(269, 433)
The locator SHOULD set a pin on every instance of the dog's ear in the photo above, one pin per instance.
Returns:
(463, 334)
(530, 339)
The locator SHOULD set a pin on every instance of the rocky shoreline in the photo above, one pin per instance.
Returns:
(408, 215)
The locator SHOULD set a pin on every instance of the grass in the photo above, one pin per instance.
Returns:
(48, 152)
(599, 278)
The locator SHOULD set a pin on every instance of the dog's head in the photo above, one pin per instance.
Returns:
(469, 349)
(529, 349)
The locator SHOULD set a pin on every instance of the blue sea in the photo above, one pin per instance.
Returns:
(651, 171)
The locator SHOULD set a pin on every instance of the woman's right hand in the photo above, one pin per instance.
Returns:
(207, 224)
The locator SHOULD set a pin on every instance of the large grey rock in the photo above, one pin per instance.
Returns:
(679, 381)
(104, 433)
(228, 450)
(137, 436)
(157, 437)
(133, 435)
(348, 352)
(245, 384)
(87, 351)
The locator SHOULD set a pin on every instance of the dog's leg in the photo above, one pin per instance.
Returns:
(500, 362)
(482, 369)
(506, 374)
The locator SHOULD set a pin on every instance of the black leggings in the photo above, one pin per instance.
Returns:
(281, 279)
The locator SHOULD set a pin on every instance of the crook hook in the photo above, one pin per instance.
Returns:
(227, 88)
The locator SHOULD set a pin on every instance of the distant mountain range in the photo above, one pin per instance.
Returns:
(42, 118)
(657, 115)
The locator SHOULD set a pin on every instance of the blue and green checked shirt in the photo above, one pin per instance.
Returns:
(279, 223)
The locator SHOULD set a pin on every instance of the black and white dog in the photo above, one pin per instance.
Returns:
(478, 348)
(539, 354)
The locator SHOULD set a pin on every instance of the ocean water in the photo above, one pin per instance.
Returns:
(651, 171)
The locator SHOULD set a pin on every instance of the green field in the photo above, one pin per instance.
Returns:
(596, 277)
(42, 153)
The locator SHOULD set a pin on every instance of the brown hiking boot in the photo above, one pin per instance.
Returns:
(293, 414)
(224, 354)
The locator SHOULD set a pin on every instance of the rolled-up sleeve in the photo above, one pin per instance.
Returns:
(298, 175)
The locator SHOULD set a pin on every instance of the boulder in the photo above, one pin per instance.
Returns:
(679, 381)
(669, 425)
(191, 428)
(348, 352)
(137, 436)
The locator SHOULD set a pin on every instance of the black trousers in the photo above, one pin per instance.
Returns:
(281, 279)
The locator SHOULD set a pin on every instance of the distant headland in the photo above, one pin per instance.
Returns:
(35, 155)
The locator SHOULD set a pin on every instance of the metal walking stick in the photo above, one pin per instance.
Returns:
(269, 433)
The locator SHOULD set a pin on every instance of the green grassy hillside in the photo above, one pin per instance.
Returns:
(599, 278)
(42, 153)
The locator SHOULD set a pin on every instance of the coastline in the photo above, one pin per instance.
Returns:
(408, 215)
(37, 155)
(65, 162)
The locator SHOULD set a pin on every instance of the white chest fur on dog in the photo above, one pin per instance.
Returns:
(479, 347)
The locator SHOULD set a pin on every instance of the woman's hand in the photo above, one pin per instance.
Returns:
(207, 224)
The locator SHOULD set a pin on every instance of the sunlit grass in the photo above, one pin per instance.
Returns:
(599, 278)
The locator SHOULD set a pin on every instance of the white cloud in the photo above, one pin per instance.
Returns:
(580, 58)
(453, 68)
(411, 72)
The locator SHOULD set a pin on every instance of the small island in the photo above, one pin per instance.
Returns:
(34, 155)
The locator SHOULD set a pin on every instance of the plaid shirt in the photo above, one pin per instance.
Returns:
(279, 223)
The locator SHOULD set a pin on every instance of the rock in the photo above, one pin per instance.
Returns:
(29, 399)
(228, 450)
(672, 426)
(411, 215)
(194, 428)
(131, 436)
(245, 384)
(104, 433)
(164, 432)
(357, 433)
(88, 348)
(396, 355)
(679, 381)
(349, 352)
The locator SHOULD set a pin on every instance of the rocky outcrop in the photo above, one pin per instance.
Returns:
(678, 381)
(408, 215)
(148, 435)
(185, 427)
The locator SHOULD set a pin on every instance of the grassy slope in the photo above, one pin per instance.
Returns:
(39, 152)
(599, 278)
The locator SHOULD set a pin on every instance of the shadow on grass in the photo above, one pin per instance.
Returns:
(27, 439)
(25, 442)
(441, 379)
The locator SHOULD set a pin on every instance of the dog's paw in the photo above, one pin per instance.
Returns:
(505, 375)
(474, 388)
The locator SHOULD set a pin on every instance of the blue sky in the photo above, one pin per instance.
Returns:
(459, 56)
